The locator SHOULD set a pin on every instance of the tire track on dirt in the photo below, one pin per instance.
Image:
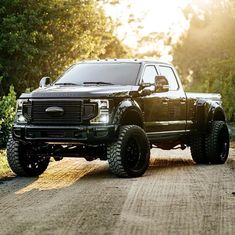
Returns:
(180, 198)
(71, 197)
(78, 197)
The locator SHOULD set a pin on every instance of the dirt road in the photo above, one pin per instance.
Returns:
(78, 197)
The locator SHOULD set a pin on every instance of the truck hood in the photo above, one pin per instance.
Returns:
(82, 91)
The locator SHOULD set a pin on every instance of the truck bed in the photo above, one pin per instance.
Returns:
(207, 96)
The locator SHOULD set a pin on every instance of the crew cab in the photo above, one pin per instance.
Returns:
(115, 110)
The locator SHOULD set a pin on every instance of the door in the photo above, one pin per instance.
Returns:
(155, 105)
(177, 100)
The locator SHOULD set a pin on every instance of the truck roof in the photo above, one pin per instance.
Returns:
(138, 61)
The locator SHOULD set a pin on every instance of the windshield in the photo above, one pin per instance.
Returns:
(100, 74)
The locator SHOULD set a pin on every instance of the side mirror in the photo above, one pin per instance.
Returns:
(45, 81)
(161, 84)
(146, 89)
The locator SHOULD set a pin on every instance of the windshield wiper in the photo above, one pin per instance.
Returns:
(66, 84)
(98, 83)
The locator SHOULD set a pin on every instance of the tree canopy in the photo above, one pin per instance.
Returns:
(205, 56)
(41, 37)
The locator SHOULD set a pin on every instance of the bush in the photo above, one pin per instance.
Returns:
(7, 115)
(4, 167)
(232, 131)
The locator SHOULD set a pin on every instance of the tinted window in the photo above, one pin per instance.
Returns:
(170, 75)
(149, 74)
(115, 73)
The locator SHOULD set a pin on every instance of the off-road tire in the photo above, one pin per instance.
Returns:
(21, 163)
(129, 155)
(217, 143)
(198, 149)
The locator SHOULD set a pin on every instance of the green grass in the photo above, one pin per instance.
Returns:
(4, 168)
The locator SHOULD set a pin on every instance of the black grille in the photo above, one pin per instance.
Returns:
(72, 112)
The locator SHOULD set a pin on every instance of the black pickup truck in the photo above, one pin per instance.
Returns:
(117, 111)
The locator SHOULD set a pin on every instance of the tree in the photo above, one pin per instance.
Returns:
(7, 115)
(205, 56)
(153, 45)
(43, 37)
(219, 76)
(115, 49)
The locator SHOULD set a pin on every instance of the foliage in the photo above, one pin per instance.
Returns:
(205, 56)
(232, 133)
(152, 45)
(39, 38)
(115, 49)
(4, 167)
(7, 114)
(219, 76)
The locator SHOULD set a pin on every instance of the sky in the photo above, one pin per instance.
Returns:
(155, 16)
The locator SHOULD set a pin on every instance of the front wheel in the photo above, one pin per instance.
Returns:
(23, 160)
(129, 155)
(217, 143)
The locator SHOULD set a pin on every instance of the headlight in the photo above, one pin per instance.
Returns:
(19, 104)
(19, 111)
(103, 112)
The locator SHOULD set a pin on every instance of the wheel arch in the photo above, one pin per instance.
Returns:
(128, 112)
(215, 113)
(207, 112)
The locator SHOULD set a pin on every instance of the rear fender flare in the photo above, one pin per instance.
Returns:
(207, 112)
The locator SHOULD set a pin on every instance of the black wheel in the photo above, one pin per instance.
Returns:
(23, 161)
(129, 155)
(198, 149)
(217, 143)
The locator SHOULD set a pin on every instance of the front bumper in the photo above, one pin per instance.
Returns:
(84, 134)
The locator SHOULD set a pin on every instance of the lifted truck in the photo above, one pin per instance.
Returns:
(115, 110)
